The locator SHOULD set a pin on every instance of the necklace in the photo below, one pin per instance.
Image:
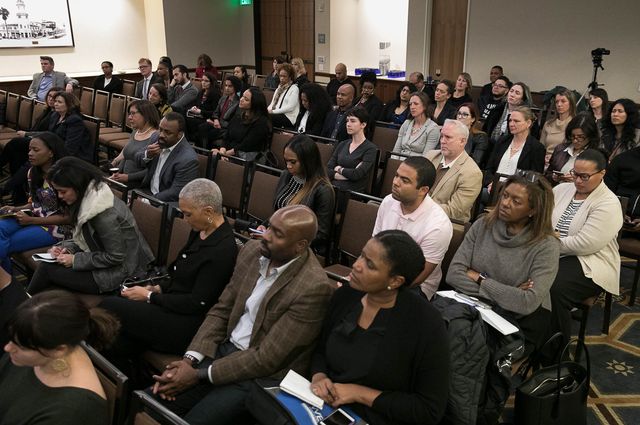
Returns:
(142, 133)
(514, 149)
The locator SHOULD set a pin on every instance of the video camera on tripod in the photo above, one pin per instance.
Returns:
(596, 56)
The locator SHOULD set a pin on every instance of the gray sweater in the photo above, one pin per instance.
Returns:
(509, 261)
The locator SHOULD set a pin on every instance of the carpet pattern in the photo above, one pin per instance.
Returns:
(614, 394)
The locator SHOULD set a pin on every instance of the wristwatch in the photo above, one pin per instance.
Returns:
(194, 361)
(482, 276)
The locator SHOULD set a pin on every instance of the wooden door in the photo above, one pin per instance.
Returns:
(448, 32)
(286, 28)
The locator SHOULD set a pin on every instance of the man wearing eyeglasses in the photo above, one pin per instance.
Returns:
(148, 79)
(498, 94)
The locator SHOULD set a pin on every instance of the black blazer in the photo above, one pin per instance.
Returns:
(531, 158)
(410, 363)
(315, 122)
(449, 111)
(77, 140)
(330, 122)
(209, 105)
(114, 86)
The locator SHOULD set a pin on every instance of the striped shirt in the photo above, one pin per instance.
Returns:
(567, 216)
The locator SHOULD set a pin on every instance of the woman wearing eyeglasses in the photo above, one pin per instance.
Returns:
(478, 142)
(397, 111)
(518, 228)
(587, 217)
(581, 134)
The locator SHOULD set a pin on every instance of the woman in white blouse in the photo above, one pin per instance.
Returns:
(285, 105)
(419, 134)
(587, 217)
(517, 150)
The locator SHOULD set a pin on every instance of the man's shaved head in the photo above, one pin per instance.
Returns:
(291, 231)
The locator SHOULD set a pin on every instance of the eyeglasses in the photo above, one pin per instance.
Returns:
(463, 114)
(583, 176)
(131, 113)
(144, 66)
(528, 175)
(500, 86)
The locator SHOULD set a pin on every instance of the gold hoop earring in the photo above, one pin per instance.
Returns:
(209, 220)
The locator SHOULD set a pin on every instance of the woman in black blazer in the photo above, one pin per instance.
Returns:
(114, 86)
(206, 104)
(67, 123)
(517, 150)
(165, 317)
(371, 357)
(315, 105)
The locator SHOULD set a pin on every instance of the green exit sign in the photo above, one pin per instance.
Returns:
(245, 2)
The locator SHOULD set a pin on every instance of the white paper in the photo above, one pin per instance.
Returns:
(298, 386)
(489, 316)
(45, 256)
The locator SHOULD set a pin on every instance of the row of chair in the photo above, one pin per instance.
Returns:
(22, 112)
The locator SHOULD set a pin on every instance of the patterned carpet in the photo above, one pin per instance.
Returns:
(614, 396)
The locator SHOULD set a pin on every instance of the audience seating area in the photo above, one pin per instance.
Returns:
(248, 190)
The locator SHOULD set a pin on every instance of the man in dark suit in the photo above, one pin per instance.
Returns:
(48, 78)
(149, 78)
(107, 81)
(265, 323)
(171, 162)
(335, 124)
(182, 93)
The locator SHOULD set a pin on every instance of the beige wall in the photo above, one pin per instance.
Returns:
(222, 29)
(418, 36)
(356, 28)
(549, 42)
(117, 33)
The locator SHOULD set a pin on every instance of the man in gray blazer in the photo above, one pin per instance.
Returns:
(171, 162)
(43, 81)
(149, 78)
(182, 93)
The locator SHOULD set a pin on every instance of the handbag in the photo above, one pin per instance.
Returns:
(556, 394)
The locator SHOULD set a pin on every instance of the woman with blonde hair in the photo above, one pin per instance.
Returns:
(462, 91)
(301, 72)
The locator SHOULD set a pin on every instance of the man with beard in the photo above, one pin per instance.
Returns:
(171, 162)
(410, 208)
(335, 124)
(499, 89)
(265, 323)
